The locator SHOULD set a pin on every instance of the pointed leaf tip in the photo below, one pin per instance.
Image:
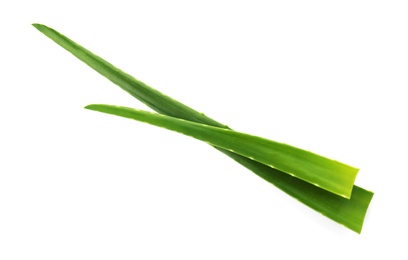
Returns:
(38, 26)
(44, 29)
(96, 107)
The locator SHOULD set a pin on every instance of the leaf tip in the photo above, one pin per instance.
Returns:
(38, 26)
(43, 28)
(91, 107)
(99, 107)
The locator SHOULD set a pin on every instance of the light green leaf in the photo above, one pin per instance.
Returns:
(322, 172)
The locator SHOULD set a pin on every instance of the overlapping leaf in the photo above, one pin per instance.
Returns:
(349, 212)
(325, 173)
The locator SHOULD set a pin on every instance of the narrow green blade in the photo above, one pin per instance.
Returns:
(349, 212)
(322, 172)
(151, 97)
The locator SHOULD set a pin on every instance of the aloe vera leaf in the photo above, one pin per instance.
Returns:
(337, 178)
(325, 173)
(349, 212)
(151, 97)
(252, 148)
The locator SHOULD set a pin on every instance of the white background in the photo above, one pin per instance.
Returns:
(327, 76)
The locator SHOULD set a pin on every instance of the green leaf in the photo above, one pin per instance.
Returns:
(348, 212)
(151, 97)
(322, 172)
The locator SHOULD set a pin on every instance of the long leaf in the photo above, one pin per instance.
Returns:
(313, 168)
(349, 212)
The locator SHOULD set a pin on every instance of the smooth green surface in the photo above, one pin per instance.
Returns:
(328, 174)
(348, 212)
(151, 97)
(313, 168)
